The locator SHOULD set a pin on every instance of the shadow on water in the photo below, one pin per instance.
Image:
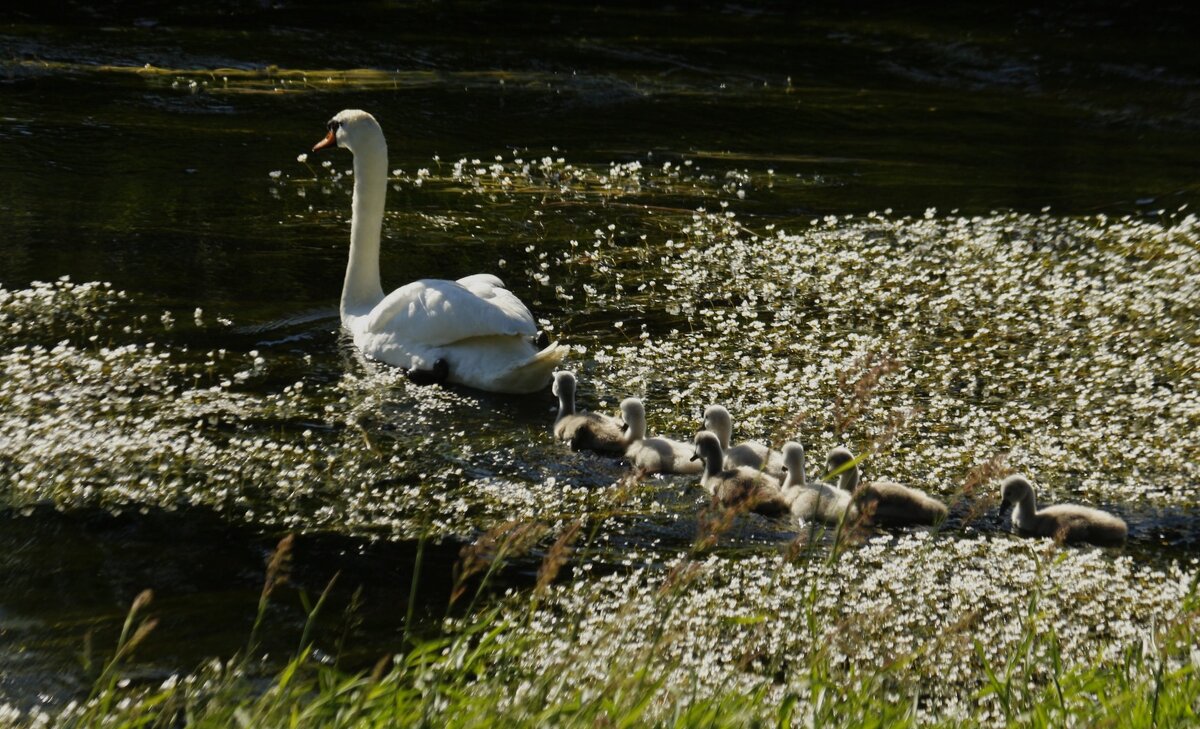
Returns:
(70, 577)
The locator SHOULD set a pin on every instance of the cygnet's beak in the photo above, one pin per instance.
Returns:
(624, 427)
(784, 468)
(330, 140)
(1003, 508)
(695, 457)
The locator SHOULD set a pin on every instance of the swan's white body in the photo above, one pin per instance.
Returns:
(481, 330)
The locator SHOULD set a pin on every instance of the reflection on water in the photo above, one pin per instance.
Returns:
(157, 150)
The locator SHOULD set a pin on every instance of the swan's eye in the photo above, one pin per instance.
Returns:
(333, 125)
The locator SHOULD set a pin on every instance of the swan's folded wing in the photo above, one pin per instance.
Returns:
(435, 312)
(491, 289)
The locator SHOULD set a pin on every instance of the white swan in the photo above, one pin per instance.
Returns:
(815, 501)
(653, 455)
(750, 454)
(740, 487)
(1064, 522)
(471, 331)
(584, 431)
(884, 502)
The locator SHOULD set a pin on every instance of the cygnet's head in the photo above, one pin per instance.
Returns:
(564, 385)
(1013, 489)
(793, 457)
(717, 420)
(837, 458)
(708, 447)
(633, 412)
(352, 129)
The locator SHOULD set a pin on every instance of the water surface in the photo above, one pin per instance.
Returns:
(157, 150)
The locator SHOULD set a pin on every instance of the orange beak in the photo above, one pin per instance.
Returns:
(330, 140)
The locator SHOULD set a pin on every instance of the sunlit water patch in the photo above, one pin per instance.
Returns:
(938, 343)
(107, 417)
(1066, 344)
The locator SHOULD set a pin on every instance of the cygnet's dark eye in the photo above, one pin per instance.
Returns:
(333, 125)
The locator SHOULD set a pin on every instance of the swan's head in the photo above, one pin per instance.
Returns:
(352, 129)
(837, 458)
(633, 412)
(564, 385)
(1014, 489)
(708, 447)
(717, 420)
(793, 457)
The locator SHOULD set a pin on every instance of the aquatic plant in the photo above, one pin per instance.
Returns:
(763, 639)
(1063, 346)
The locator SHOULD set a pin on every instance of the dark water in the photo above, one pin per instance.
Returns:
(113, 174)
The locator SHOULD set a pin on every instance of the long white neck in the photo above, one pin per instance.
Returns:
(361, 289)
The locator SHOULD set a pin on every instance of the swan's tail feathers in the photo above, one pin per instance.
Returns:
(535, 373)
(503, 364)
